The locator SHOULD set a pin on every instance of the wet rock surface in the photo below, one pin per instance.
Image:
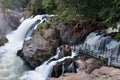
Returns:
(68, 65)
(75, 65)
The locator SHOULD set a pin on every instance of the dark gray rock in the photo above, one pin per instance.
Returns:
(68, 65)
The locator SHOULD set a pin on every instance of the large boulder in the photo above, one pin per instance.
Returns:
(67, 65)
(40, 47)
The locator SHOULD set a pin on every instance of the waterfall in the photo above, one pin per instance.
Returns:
(12, 66)
(43, 71)
(102, 46)
(99, 41)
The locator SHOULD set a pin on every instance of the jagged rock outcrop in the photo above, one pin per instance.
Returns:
(40, 48)
(75, 31)
(12, 18)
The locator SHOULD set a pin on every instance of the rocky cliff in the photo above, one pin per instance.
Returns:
(41, 47)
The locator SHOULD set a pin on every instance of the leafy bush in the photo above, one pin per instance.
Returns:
(47, 25)
(106, 10)
(40, 27)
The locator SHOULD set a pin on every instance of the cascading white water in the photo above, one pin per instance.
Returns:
(44, 71)
(92, 39)
(12, 66)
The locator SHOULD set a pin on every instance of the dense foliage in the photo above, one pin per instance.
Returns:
(106, 10)
(42, 6)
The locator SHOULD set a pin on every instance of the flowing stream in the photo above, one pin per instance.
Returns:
(44, 71)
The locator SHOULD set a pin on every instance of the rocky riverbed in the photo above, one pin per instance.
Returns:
(91, 69)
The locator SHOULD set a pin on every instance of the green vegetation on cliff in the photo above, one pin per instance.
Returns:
(47, 25)
(107, 11)
(40, 27)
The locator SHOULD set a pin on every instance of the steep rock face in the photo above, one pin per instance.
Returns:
(40, 48)
(75, 31)
(12, 18)
(4, 28)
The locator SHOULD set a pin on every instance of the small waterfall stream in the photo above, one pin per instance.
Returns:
(44, 71)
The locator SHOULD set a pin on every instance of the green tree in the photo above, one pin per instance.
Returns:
(106, 10)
